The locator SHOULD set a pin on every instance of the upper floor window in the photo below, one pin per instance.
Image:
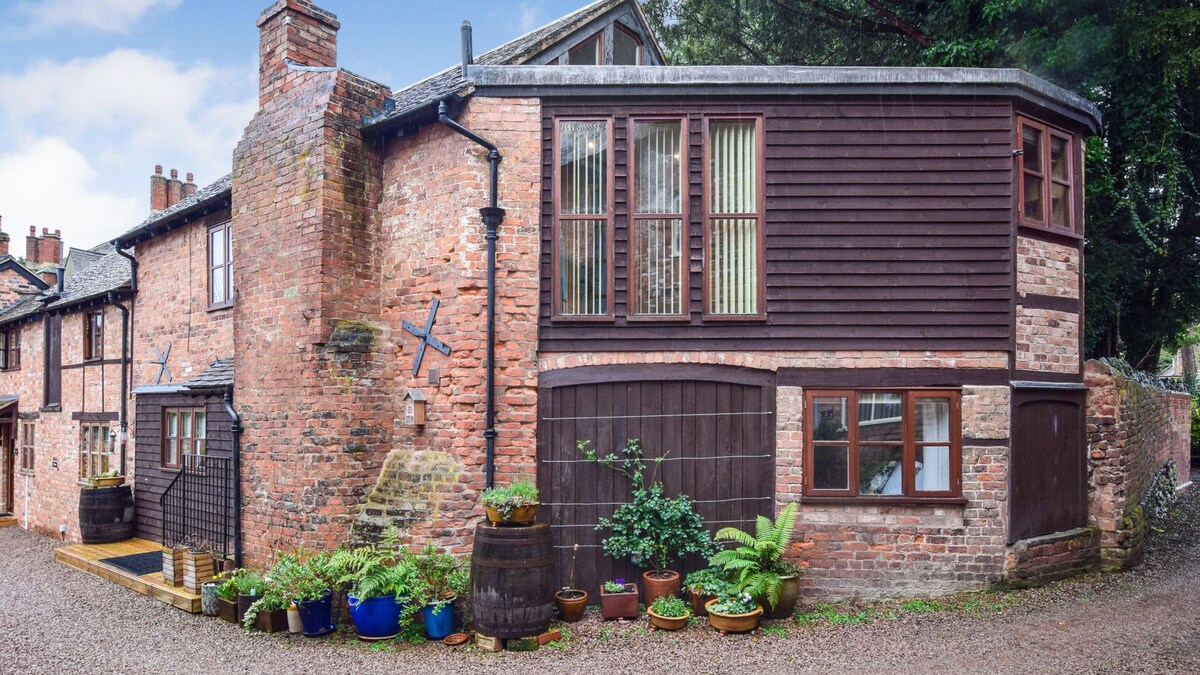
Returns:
(10, 349)
(93, 335)
(657, 238)
(733, 229)
(220, 266)
(627, 47)
(882, 443)
(583, 218)
(1046, 170)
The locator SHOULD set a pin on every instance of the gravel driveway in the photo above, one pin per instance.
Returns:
(57, 620)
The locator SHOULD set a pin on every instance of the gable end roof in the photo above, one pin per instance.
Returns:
(206, 197)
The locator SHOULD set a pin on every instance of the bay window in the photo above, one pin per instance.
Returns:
(583, 219)
(658, 260)
(1046, 176)
(733, 229)
(882, 444)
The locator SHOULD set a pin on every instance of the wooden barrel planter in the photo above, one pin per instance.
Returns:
(512, 580)
(106, 514)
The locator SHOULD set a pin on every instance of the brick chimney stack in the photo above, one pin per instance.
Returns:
(189, 188)
(174, 188)
(158, 190)
(4, 238)
(51, 247)
(293, 30)
(31, 246)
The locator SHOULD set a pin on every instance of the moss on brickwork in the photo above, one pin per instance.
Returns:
(411, 488)
(352, 336)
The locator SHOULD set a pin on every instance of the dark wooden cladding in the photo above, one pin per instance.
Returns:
(888, 225)
(1048, 474)
(866, 378)
(152, 479)
(689, 416)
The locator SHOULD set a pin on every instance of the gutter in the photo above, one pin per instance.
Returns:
(492, 216)
(235, 427)
(112, 300)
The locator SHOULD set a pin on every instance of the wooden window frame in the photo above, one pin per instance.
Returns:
(192, 440)
(1047, 178)
(555, 263)
(226, 264)
(93, 335)
(28, 438)
(10, 349)
(599, 37)
(908, 405)
(759, 216)
(641, 46)
(90, 457)
(634, 216)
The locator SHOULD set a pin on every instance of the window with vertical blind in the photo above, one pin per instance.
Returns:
(657, 241)
(1046, 170)
(733, 275)
(583, 218)
(185, 433)
(95, 450)
(882, 444)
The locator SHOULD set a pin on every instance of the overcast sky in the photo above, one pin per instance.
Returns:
(94, 93)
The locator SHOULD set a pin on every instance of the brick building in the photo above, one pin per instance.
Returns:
(857, 289)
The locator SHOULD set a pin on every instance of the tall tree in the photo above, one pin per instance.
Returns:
(1139, 60)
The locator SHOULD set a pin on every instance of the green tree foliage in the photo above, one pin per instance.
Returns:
(1136, 59)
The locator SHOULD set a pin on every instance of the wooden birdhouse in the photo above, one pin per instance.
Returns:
(414, 408)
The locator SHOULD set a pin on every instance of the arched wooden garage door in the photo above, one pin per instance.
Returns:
(715, 426)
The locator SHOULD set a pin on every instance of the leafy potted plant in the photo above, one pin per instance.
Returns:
(250, 588)
(571, 601)
(758, 565)
(268, 613)
(107, 479)
(668, 613)
(379, 586)
(440, 578)
(227, 595)
(618, 600)
(652, 530)
(704, 585)
(513, 504)
(734, 614)
(306, 581)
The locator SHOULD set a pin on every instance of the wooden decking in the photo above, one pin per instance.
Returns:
(87, 557)
(7, 521)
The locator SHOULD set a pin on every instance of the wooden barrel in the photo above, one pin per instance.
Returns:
(106, 514)
(512, 580)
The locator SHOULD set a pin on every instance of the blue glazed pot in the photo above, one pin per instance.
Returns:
(440, 624)
(376, 618)
(317, 615)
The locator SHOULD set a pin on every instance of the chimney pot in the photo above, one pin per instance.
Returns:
(45, 231)
(33, 230)
(158, 190)
(158, 169)
(468, 48)
(190, 178)
(174, 173)
(174, 189)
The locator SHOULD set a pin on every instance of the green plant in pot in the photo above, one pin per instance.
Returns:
(706, 584)
(440, 579)
(571, 600)
(308, 580)
(513, 504)
(652, 530)
(757, 565)
(379, 586)
(737, 613)
(618, 600)
(227, 594)
(268, 612)
(668, 613)
(250, 587)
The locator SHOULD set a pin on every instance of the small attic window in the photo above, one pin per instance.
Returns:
(590, 52)
(627, 47)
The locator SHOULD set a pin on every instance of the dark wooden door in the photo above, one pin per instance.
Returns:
(8, 448)
(1048, 474)
(715, 427)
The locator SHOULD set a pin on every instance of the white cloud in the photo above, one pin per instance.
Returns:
(107, 16)
(119, 114)
(51, 184)
(529, 15)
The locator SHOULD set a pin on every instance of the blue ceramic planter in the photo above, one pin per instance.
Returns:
(376, 618)
(440, 624)
(317, 615)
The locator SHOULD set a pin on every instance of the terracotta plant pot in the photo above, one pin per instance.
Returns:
(275, 621)
(657, 583)
(619, 605)
(522, 515)
(788, 597)
(108, 482)
(571, 608)
(698, 601)
(733, 623)
(668, 622)
(228, 610)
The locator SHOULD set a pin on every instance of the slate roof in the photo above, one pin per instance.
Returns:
(451, 80)
(79, 260)
(216, 376)
(205, 195)
(107, 274)
(22, 307)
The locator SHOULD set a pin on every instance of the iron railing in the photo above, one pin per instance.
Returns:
(197, 506)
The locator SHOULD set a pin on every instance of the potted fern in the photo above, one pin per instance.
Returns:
(757, 566)
(380, 586)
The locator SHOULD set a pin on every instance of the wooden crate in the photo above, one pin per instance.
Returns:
(173, 566)
(197, 569)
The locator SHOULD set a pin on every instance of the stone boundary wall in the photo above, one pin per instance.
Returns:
(1053, 556)
(1138, 430)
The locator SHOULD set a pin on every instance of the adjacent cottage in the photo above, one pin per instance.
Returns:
(858, 289)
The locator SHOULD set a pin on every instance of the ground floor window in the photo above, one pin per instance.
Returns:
(26, 446)
(185, 433)
(95, 450)
(882, 443)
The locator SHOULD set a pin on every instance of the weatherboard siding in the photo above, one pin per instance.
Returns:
(888, 225)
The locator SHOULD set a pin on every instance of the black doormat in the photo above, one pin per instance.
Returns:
(138, 563)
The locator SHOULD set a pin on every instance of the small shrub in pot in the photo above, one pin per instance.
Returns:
(514, 504)
(668, 613)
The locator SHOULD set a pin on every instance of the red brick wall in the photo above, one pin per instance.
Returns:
(1133, 431)
(12, 286)
(1054, 556)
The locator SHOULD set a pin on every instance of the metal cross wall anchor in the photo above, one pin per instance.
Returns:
(426, 336)
(163, 368)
